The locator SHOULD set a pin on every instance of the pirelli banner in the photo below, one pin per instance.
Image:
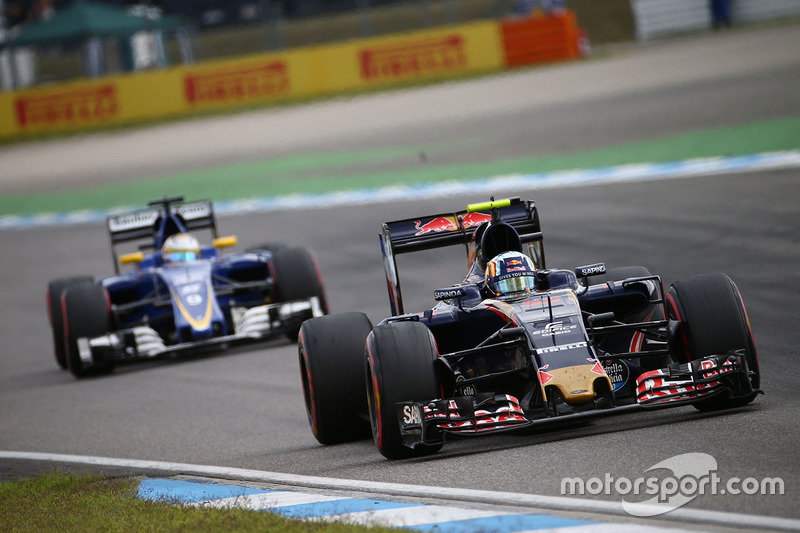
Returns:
(356, 65)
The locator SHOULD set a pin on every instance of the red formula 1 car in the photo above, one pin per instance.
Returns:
(517, 345)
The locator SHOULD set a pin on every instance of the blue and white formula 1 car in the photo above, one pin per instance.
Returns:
(516, 345)
(175, 301)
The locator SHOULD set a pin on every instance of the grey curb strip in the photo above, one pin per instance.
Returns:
(559, 503)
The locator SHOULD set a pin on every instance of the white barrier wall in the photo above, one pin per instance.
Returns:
(654, 18)
(755, 10)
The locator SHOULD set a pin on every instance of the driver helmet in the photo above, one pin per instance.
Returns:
(510, 274)
(180, 248)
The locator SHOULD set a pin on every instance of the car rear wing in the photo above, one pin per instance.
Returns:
(447, 229)
(160, 220)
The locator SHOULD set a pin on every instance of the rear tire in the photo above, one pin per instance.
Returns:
(399, 367)
(713, 320)
(297, 277)
(54, 312)
(331, 354)
(86, 313)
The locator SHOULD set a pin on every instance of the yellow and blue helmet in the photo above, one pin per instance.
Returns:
(510, 274)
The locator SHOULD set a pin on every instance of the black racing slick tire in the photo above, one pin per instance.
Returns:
(713, 320)
(399, 367)
(298, 277)
(54, 313)
(331, 354)
(87, 314)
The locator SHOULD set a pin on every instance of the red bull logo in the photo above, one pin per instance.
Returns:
(436, 225)
(474, 219)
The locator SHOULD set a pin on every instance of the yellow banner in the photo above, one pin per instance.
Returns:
(414, 57)
(256, 79)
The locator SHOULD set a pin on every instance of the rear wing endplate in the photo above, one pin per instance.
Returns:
(447, 229)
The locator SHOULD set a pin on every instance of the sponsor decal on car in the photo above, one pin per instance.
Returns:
(590, 270)
(434, 226)
(570, 346)
(466, 390)
(411, 415)
(475, 218)
(142, 219)
(618, 372)
(555, 328)
(447, 294)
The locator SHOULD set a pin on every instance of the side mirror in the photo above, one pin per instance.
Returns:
(449, 293)
(600, 319)
(134, 257)
(590, 270)
(225, 242)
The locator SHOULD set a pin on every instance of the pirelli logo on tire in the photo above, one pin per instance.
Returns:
(235, 85)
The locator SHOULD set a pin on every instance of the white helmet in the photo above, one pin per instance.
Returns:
(180, 248)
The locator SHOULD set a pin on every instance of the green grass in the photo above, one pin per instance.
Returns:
(60, 501)
(313, 173)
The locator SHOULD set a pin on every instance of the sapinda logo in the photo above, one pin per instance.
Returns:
(411, 415)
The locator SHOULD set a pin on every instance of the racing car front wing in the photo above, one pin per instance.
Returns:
(695, 380)
(428, 423)
(250, 324)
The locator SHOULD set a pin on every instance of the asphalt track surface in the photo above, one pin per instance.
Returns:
(244, 408)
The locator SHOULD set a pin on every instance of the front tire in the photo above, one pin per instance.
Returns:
(399, 367)
(331, 354)
(86, 314)
(713, 320)
(56, 316)
(298, 277)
